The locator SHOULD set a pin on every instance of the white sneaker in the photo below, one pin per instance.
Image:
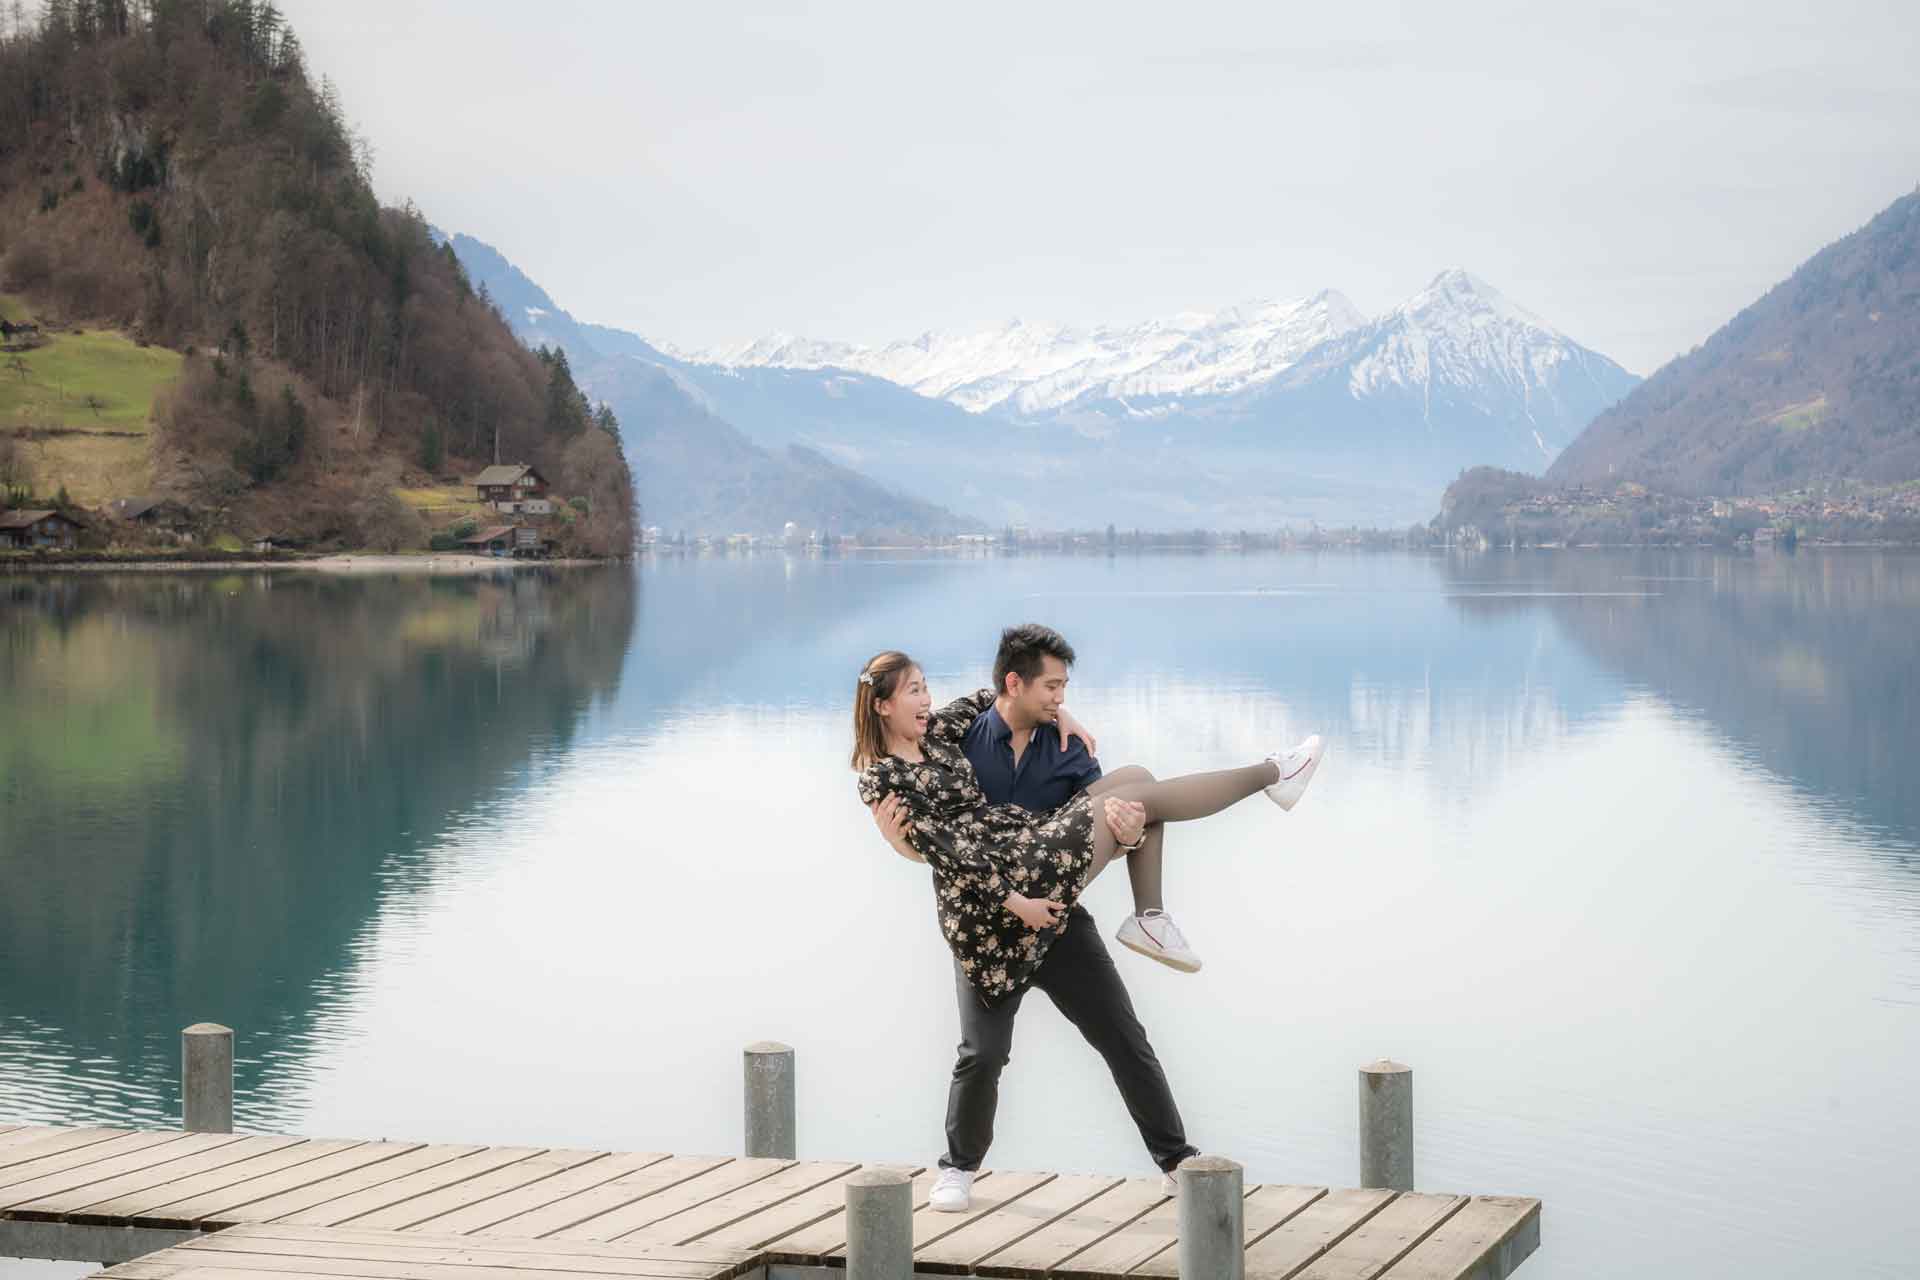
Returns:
(952, 1191)
(1169, 1185)
(1296, 771)
(1154, 934)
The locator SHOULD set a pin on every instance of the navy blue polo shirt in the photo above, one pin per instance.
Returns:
(1046, 776)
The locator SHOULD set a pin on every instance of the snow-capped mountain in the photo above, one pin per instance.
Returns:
(1459, 349)
(1456, 374)
(1030, 370)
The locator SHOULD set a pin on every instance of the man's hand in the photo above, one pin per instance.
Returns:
(1071, 728)
(891, 817)
(1035, 913)
(1127, 819)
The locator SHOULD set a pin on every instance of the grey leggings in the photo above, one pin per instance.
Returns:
(1195, 795)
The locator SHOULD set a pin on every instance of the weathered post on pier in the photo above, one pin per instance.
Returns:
(206, 1078)
(880, 1225)
(769, 1091)
(1212, 1219)
(1386, 1125)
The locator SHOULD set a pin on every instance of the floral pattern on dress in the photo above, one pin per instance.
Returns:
(979, 853)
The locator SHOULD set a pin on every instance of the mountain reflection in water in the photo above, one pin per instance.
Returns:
(207, 782)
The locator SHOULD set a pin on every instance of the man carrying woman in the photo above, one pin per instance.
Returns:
(1000, 794)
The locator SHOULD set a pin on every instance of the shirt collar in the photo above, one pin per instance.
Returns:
(997, 727)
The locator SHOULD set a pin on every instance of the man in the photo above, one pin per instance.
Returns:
(1019, 762)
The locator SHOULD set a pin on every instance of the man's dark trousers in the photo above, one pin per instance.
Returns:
(1080, 978)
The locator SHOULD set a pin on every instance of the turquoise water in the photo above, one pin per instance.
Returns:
(1620, 851)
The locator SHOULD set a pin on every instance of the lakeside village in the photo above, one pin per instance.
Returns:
(1632, 515)
(511, 513)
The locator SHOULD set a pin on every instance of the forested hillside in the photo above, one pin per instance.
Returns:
(173, 169)
(1818, 381)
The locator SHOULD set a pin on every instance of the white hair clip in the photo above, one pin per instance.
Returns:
(866, 677)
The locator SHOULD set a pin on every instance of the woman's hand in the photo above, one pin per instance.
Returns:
(1127, 819)
(1071, 728)
(1035, 913)
(891, 817)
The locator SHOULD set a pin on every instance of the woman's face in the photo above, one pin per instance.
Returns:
(905, 713)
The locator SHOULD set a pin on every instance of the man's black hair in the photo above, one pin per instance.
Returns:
(1024, 650)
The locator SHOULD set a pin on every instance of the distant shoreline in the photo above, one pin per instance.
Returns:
(342, 563)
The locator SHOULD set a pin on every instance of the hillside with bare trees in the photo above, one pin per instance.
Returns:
(174, 172)
(1815, 383)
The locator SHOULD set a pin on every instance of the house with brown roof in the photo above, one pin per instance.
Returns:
(37, 530)
(514, 488)
(497, 541)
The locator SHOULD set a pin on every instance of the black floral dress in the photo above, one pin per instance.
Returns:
(980, 852)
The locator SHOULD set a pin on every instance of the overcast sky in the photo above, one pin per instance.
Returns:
(703, 171)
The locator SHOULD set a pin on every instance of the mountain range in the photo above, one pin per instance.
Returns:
(1277, 412)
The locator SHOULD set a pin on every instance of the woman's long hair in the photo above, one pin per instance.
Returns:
(883, 674)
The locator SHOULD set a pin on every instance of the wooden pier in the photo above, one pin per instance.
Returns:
(216, 1206)
(204, 1203)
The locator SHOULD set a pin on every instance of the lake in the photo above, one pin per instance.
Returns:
(1621, 851)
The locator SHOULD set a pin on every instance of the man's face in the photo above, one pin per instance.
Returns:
(1038, 700)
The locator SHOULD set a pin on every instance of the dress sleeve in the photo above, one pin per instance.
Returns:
(871, 784)
(950, 723)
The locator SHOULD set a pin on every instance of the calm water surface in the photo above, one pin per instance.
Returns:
(1621, 851)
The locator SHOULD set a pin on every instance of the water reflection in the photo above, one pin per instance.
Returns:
(1808, 661)
(1615, 848)
(206, 782)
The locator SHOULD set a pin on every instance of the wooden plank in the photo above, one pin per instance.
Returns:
(596, 1200)
(40, 1143)
(351, 1177)
(814, 1243)
(9, 1128)
(239, 1253)
(98, 1162)
(26, 1133)
(463, 1250)
(540, 1194)
(1146, 1247)
(794, 1213)
(171, 1200)
(321, 1259)
(1385, 1238)
(1127, 1248)
(959, 1251)
(1065, 1236)
(721, 1211)
(274, 1235)
(1484, 1241)
(211, 1199)
(461, 1169)
(173, 1169)
(474, 1191)
(682, 1195)
(1309, 1233)
(217, 1266)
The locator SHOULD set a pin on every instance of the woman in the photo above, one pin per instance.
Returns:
(1004, 877)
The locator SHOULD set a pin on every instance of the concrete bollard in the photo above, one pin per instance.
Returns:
(1386, 1125)
(880, 1225)
(206, 1078)
(769, 1091)
(1212, 1219)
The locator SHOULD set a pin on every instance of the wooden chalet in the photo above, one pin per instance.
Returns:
(514, 488)
(37, 530)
